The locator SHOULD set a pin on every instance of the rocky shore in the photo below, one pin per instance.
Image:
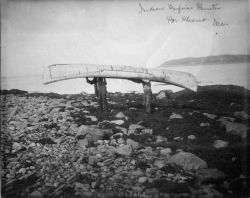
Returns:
(193, 145)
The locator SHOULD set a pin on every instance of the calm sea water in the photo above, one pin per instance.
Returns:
(233, 74)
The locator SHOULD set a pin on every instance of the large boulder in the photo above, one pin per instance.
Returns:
(188, 161)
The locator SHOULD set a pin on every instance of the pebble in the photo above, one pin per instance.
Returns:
(35, 194)
(93, 118)
(204, 124)
(147, 131)
(191, 137)
(22, 171)
(83, 143)
(16, 146)
(160, 139)
(178, 138)
(165, 152)
(125, 150)
(118, 122)
(135, 145)
(159, 163)
(220, 144)
(120, 141)
(210, 116)
(33, 144)
(142, 180)
(121, 115)
(175, 116)
(134, 127)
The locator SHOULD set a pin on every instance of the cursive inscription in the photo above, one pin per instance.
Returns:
(201, 7)
(150, 9)
(171, 19)
(179, 8)
(220, 24)
(187, 12)
(193, 20)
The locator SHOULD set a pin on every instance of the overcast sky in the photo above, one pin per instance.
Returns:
(35, 34)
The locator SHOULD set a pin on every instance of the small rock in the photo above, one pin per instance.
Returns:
(165, 152)
(204, 124)
(160, 139)
(147, 131)
(222, 119)
(92, 133)
(120, 141)
(164, 94)
(235, 128)
(93, 184)
(33, 144)
(177, 138)
(241, 115)
(142, 179)
(220, 144)
(121, 115)
(135, 145)
(118, 122)
(159, 164)
(93, 160)
(93, 118)
(137, 172)
(123, 130)
(175, 116)
(83, 143)
(22, 171)
(191, 137)
(81, 131)
(134, 127)
(188, 161)
(125, 150)
(16, 146)
(58, 140)
(133, 162)
(210, 116)
(35, 194)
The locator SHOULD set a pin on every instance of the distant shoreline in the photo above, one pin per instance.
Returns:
(209, 60)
